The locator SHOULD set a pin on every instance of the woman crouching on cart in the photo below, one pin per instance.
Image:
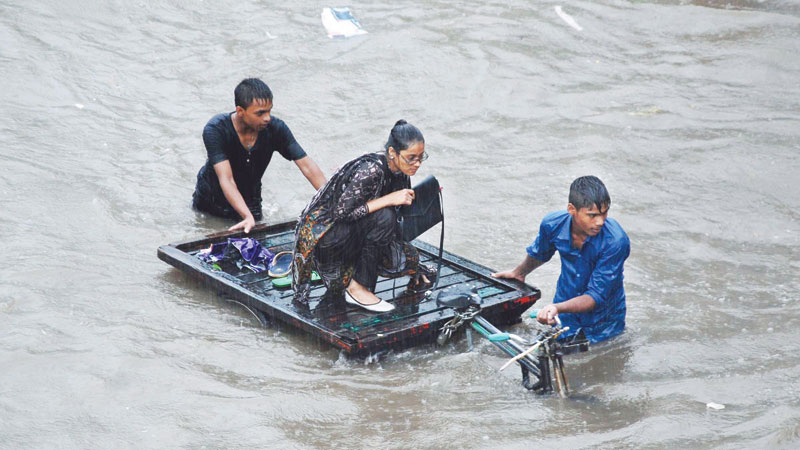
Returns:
(348, 233)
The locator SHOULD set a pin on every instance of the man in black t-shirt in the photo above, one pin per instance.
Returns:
(240, 146)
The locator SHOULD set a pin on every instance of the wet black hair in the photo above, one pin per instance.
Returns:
(402, 136)
(587, 191)
(251, 89)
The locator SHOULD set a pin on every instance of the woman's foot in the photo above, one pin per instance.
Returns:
(358, 295)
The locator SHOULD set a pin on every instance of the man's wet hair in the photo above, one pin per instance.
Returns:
(403, 135)
(251, 89)
(589, 191)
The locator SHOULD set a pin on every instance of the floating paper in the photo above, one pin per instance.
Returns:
(339, 22)
(567, 18)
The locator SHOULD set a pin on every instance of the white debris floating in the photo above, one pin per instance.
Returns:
(339, 22)
(567, 18)
(713, 405)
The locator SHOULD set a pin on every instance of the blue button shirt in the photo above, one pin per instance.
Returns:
(595, 269)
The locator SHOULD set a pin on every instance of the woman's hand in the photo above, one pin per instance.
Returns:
(396, 198)
(401, 197)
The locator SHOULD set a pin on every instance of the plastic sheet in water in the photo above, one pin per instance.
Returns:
(339, 22)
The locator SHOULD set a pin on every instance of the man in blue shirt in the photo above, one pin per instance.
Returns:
(593, 248)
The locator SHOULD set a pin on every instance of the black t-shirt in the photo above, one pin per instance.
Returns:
(222, 143)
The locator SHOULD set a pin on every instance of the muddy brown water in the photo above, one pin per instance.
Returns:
(688, 110)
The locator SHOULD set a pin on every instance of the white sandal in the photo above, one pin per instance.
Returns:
(381, 306)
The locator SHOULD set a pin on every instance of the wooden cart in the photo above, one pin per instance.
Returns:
(415, 320)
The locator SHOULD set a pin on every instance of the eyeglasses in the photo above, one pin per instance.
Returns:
(414, 159)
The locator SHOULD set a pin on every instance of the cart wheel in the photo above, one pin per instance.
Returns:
(259, 315)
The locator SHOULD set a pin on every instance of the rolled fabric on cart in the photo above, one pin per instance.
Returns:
(339, 22)
(250, 252)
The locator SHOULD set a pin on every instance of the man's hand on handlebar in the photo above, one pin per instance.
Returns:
(547, 315)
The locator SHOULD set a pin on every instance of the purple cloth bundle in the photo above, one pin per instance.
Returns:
(245, 252)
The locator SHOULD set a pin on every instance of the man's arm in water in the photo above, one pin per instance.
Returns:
(579, 304)
(234, 197)
(311, 171)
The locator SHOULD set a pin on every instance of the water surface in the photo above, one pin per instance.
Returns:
(688, 110)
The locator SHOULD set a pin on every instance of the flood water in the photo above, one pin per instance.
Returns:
(688, 110)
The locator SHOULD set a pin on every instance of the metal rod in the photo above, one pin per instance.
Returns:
(532, 348)
(485, 328)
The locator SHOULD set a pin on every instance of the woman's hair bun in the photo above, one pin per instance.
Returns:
(403, 135)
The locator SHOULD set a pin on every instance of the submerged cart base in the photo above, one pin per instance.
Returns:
(415, 320)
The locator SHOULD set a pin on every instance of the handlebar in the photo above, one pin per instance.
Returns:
(550, 349)
(535, 313)
(551, 336)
